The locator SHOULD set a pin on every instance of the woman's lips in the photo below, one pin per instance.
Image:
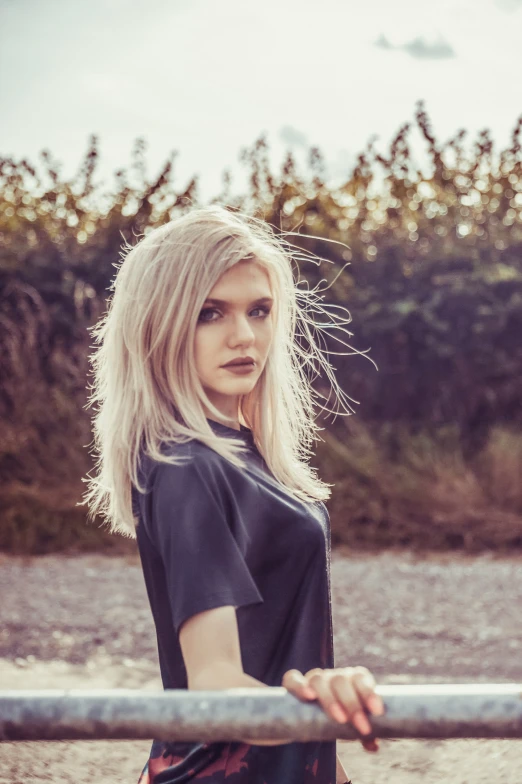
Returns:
(241, 370)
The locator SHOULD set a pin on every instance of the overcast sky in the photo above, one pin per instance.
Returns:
(206, 77)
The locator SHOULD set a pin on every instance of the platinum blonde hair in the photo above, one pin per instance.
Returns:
(146, 388)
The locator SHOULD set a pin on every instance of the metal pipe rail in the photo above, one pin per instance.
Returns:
(471, 710)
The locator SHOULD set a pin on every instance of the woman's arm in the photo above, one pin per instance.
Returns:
(211, 652)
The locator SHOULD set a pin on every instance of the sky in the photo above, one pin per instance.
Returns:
(206, 78)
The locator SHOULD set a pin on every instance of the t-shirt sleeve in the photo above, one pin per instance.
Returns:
(204, 565)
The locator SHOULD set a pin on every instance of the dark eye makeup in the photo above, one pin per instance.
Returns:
(265, 310)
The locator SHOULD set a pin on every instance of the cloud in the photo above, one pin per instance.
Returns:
(436, 51)
(383, 43)
(293, 137)
(420, 48)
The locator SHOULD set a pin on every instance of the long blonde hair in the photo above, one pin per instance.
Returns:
(145, 384)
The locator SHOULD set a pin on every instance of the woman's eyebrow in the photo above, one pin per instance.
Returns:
(224, 303)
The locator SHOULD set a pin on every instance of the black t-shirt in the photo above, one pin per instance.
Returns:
(209, 535)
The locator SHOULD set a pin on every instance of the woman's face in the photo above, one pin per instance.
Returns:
(239, 325)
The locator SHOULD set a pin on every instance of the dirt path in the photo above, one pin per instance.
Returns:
(84, 621)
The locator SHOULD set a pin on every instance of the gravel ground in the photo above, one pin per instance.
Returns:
(84, 622)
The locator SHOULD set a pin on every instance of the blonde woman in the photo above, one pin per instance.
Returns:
(203, 429)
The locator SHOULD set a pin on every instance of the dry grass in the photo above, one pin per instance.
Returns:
(397, 488)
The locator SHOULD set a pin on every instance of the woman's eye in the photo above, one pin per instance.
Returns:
(264, 310)
(203, 312)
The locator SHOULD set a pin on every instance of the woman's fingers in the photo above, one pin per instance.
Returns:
(344, 694)
(295, 682)
(365, 684)
(340, 699)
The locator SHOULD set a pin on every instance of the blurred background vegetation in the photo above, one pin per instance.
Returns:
(432, 278)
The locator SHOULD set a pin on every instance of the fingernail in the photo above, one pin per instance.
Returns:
(362, 723)
(376, 705)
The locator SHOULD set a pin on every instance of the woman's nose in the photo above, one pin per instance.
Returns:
(242, 329)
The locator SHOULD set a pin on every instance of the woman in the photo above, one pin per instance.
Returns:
(203, 460)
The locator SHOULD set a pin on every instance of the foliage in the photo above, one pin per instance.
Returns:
(420, 491)
(428, 263)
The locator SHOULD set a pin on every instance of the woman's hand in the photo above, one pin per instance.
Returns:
(345, 693)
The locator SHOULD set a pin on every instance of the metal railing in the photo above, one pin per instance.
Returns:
(471, 710)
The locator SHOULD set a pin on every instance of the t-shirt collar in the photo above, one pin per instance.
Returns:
(225, 430)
